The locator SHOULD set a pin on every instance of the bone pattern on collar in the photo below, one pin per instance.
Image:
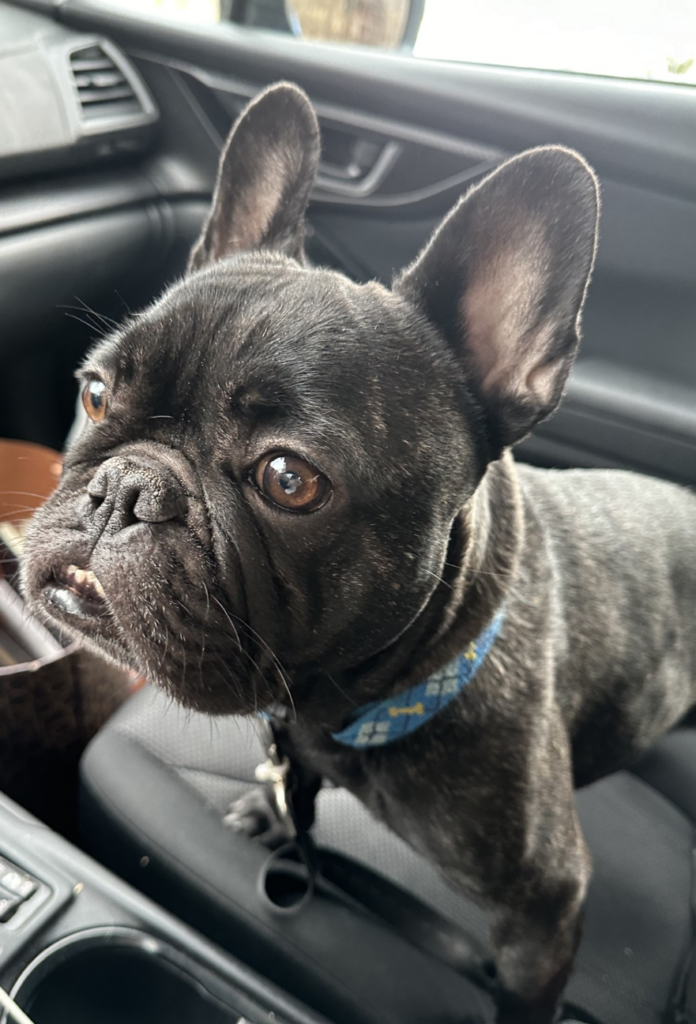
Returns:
(382, 722)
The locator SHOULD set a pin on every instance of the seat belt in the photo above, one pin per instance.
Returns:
(682, 1009)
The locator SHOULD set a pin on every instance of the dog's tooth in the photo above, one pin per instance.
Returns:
(96, 586)
(74, 576)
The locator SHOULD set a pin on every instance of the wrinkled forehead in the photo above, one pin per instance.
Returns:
(265, 341)
(264, 332)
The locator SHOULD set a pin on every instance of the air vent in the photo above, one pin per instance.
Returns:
(103, 90)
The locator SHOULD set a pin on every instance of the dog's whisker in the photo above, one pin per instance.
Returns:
(203, 628)
(275, 661)
(242, 651)
(97, 328)
(183, 669)
(165, 651)
(93, 312)
(108, 322)
(22, 494)
(227, 615)
(23, 511)
(438, 578)
(479, 572)
(484, 572)
(125, 305)
(341, 690)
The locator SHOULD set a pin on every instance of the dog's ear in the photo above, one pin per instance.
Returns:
(266, 173)
(504, 278)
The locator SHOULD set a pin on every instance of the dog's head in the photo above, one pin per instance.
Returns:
(276, 455)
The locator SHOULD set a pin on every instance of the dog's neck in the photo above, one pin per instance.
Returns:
(481, 561)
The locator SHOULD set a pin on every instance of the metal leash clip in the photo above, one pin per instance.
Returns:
(286, 881)
(274, 773)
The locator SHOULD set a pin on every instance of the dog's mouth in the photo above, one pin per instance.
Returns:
(76, 592)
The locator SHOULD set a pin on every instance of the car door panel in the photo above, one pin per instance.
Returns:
(610, 120)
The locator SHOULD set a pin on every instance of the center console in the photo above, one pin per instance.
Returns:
(80, 946)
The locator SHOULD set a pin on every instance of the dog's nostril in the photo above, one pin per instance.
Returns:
(127, 493)
(145, 496)
(126, 497)
(158, 504)
(98, 487)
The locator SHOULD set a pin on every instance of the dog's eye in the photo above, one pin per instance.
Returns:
(94, 400)
(289, 481)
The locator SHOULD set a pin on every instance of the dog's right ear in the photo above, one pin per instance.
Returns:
(266, 173)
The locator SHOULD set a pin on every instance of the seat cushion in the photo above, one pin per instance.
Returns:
(157, 781)
(670, 768)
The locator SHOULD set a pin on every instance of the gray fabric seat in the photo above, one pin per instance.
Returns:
(157, 781)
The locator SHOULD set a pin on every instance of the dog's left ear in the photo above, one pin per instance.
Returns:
(266, 173)
(504, 278)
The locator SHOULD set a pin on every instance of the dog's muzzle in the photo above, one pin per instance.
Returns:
(125, 492)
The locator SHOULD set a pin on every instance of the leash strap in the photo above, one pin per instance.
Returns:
(291, 875)
(288, 877)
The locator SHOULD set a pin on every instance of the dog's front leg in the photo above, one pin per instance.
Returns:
(514, 839)
(534, 942)
(537, 912)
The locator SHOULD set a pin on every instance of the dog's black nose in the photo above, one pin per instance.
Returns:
(126, 491)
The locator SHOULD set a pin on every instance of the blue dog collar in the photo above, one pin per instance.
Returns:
(384, 721)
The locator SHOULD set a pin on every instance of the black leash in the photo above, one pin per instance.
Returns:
(289, 875)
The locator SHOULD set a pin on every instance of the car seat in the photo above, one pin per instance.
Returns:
(157, 780)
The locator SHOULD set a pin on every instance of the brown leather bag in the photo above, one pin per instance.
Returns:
(50, 707)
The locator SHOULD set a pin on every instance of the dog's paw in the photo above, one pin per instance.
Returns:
(254, 814)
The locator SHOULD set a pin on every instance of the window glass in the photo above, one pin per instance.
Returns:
(645, 39)
(651, 39)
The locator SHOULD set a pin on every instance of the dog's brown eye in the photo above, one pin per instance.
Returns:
(94, 400)
(289, 481)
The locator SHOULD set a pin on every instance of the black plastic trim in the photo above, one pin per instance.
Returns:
(621, 418)
(33, 204)
(100, 898)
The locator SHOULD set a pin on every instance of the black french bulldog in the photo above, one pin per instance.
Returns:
(298, 490)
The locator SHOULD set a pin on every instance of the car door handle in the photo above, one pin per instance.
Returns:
(357, 168)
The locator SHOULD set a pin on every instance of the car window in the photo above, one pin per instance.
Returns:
(643, 39)
(649, 39)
